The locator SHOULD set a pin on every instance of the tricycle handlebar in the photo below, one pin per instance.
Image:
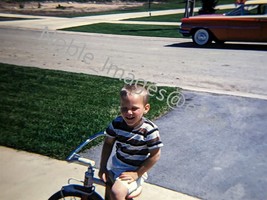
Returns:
(75, 157)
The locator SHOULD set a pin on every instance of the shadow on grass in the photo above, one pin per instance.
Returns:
(228, 46)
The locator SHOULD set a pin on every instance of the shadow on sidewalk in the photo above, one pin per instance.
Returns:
(230, 46)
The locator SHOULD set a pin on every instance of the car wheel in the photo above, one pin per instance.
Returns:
(201, 37)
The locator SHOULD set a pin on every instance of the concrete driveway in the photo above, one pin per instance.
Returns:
(215, 148)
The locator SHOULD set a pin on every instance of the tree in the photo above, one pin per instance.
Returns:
(208, 7)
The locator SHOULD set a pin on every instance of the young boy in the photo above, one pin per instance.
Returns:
(137, 144)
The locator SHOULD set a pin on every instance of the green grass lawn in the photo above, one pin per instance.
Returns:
(169, 18)
(129, 29)
(50, 112)
(161, 18)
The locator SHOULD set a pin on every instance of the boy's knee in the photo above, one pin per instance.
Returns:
(115, 194)
(118, 191)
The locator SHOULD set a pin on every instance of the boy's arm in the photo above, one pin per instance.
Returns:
(147, 165)
(106, 151)
(150, 162)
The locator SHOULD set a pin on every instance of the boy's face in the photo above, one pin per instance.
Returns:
(133, 109)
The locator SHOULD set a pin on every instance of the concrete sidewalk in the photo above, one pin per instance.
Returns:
(28, 176)
(54, 23)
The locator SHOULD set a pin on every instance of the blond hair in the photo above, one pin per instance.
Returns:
(135, 90)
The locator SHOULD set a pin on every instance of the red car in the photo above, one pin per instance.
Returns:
(247, 23)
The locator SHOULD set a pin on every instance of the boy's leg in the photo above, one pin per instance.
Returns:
(109, 184)
(118, 191)
(121, 189)
(115, 189)
(107, 191)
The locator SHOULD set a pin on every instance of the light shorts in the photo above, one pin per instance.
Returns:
(117, 167)
(130, 186)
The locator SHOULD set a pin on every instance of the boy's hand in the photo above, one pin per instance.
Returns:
(129, 176)
(103, 175)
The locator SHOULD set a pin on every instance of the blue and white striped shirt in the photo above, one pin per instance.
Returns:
(133, 145)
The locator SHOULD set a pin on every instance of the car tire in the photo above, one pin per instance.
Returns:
(201, 37)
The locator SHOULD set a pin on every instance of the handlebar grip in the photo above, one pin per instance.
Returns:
(87, 161)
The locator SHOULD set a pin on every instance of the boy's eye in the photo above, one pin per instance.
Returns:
(134, 109)
(124, 109)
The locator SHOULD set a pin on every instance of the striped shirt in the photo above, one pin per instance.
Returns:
(133, 145)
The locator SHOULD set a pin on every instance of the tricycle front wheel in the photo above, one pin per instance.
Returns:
(66, 195)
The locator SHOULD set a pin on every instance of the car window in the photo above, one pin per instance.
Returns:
(235, 12)
(252, 10)
(248, 10)
(264, 9)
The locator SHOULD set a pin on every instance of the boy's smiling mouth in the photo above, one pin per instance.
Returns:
(129, 118)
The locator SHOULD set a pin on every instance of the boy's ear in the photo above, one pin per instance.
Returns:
(147, 107)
